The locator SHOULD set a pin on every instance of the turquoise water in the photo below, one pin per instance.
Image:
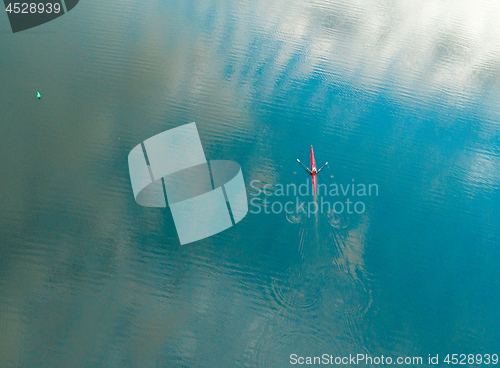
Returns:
(402, 95)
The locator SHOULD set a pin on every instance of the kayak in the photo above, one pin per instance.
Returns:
(313, 170)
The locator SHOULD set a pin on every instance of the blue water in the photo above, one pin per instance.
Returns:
(402, 95)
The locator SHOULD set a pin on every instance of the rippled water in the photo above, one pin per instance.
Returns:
(404, 95)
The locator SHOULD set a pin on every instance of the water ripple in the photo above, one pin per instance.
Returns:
(296, 216)
(338, 220)
(299, 288)
(344, 295)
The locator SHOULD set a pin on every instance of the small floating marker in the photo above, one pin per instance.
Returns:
(38, 95)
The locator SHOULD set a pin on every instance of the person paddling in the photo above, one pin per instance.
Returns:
(313, 171)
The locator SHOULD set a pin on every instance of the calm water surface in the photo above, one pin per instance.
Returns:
(404, 95)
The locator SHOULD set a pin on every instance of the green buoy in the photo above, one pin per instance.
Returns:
(38, 95)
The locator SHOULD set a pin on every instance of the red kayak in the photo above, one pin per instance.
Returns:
(313, 171)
